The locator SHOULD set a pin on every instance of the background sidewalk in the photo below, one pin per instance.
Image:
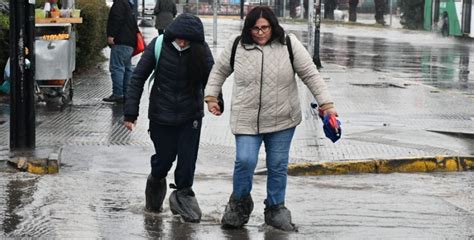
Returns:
(387, 109)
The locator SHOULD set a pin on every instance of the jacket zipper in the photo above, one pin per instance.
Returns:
(260, 97)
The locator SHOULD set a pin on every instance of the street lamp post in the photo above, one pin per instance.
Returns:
(317, 23)
(214, 32)
(22, 117)
(242, 9)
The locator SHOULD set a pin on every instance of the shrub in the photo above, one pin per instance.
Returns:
(413, 12)
(91, 34)
(4, 39)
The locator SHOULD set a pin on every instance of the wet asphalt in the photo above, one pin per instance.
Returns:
(398, 93)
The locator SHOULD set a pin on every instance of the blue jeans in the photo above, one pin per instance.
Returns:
(277, 148)
(120, 68)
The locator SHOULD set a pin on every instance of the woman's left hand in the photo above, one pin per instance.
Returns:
(214, 108)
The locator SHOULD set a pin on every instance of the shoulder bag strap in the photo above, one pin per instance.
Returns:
(158, 45)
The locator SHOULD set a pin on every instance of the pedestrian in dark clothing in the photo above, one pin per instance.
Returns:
(175, 111)
(329, 7)
(379, 11)
(165, 11)
(353, 10)
(121, 38)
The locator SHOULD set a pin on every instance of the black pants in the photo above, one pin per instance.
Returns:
(172, 141)
(379, 11)
(353, 10)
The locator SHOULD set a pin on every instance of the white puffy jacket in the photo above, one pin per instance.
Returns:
(265, 93)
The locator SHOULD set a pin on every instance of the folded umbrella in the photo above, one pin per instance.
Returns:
(331, 125)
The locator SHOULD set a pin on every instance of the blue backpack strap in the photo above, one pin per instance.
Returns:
(158, 45)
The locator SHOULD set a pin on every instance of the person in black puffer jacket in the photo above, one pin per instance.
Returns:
(175, 111)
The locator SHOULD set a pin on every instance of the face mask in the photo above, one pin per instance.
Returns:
(178, 47)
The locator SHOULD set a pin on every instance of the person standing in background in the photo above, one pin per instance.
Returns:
(329, 7)
(379, 11)
(165, 11)
(353, 10)
(121, 38)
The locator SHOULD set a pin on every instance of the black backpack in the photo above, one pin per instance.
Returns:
(237, 40)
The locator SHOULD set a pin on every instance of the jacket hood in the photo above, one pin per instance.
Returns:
(186, 26)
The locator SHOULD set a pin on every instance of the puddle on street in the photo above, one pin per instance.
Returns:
(101, 195)
(446, 65)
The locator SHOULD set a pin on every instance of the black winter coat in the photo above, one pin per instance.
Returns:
(171, 102)
(121, 24)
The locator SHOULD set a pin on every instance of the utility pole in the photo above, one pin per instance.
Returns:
(214, 32)
(242, 9)
(317, 23)
(22, 102)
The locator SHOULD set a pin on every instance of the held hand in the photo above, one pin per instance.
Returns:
(330, 111)
(129, 125)
(214, 108)
(110, 41)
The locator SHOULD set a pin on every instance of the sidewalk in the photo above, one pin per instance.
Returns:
(99, 192)
(384, 117)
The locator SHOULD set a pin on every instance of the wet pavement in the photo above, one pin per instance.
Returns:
(101, 195)
(398, 93)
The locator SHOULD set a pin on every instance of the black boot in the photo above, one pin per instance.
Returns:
(155, 193)
(184, 203)
(237, 212)
(278, 216)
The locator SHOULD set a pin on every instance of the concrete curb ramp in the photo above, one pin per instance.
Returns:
(41, 161)
(35, 165)
(403, 165)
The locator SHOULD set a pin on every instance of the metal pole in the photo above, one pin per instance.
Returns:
(284, 8)
(391, 2)
(197, 7)
(317, 23)
(22, 117)
(242, 9)
(214, 34)
(301, 9)
(310, 26)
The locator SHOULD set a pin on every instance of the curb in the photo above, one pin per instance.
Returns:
(401, 165)
(42, 161)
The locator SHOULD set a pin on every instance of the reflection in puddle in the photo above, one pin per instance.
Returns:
(444, 65)
(19, 191)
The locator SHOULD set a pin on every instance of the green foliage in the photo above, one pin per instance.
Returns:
(39, 3)
(4, 39)
(91, 34)
(413, 12)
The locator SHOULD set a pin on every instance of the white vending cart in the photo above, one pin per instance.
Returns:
(55, 58)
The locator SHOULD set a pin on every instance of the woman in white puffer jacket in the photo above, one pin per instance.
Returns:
(265, 107)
